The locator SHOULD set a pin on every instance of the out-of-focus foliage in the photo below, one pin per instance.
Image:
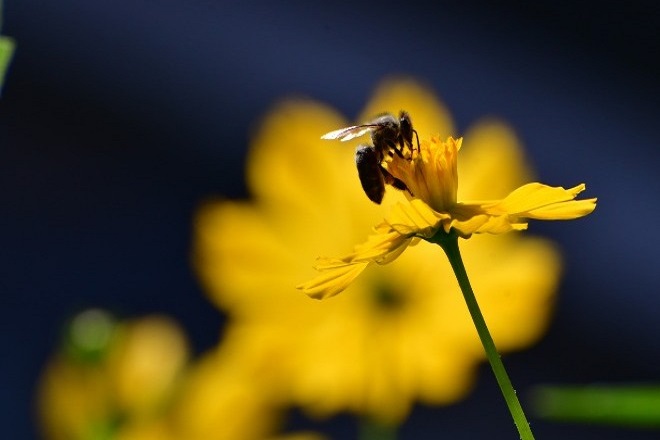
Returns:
(7, 47)
(622, 405)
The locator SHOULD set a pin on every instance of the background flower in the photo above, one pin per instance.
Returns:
(112, 380)
(131, 380)
(397, 335)
(223, 398)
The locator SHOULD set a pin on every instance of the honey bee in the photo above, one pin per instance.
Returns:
(389, 136)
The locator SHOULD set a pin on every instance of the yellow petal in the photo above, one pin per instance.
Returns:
(325, 189)
(223, 397)
(290, 136)
(491, 162)
(241, 259)
(538, 201)
(565, 210)
(487, 224)
(515, 278)
(335, 276)
(380, 247)
(414, 218)
(146, 363)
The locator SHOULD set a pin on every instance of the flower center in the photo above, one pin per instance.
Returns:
(430, 173)
(387, 298)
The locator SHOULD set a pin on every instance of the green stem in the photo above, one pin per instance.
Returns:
(449, 243)
(370, 430)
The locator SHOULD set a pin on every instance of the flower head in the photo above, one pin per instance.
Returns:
(113, 380)
(431, 177)
(430, 173)
(389, 342)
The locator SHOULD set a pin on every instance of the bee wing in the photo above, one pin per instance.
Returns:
(348, 133)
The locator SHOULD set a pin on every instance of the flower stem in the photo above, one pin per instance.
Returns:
(449, 243)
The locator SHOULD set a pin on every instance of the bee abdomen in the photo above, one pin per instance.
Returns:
(367, 160)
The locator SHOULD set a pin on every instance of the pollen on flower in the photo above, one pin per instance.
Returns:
(430, 173)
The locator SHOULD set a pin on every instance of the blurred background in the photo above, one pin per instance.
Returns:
(118, 118)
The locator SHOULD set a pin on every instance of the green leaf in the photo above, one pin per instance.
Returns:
(6, 51)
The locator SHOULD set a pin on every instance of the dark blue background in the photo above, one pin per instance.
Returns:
(119, 117)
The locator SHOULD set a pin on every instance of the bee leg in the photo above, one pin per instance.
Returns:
(417, 137)
(399, 152)
(393, 181)
(409, 145)
(397, 147)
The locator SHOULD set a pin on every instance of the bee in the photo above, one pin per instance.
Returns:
(389, 136)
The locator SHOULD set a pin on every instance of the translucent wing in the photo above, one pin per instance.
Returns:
(348, 133)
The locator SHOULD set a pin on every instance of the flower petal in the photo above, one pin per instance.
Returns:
(382, 247)
(470, 219)
(491, 162)
(335, 276)
(250, 267)
(414, 218)
(515, 279)
(565, 210)
(288, 136)
(542, 202)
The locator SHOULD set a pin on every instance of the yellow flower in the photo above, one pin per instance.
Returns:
(125, 381)
(220, 399)
(114, 380)
(431, 177)
(225, 397)
(402, 334)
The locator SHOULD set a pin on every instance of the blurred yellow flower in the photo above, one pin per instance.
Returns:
(431, 178)
(221, 399)
(126, 381)
(403, 334)
(114, 380)
(225, 397)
